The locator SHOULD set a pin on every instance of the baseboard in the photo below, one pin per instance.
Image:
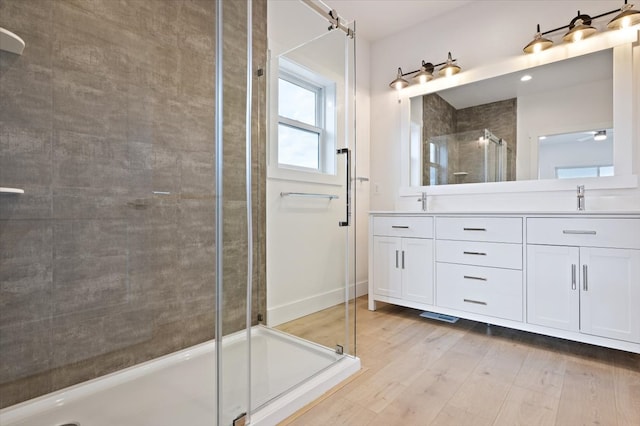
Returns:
(277, 315)
(362, 288)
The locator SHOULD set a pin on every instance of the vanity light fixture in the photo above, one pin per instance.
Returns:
(626, 18)
(538, 44)
(580, 27)
(425, 73)
(449, 68)
(399, 83)
(600, 135)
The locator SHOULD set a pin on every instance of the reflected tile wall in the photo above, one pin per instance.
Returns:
(500, 118)
(112, 100)
(441, 118)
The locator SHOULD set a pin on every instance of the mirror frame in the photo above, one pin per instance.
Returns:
(620, 41)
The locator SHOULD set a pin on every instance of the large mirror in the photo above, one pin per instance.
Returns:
(547, 122)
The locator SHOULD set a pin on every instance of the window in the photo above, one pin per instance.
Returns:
(306, 122)
(300, 123)
(583, 172)
(437, 163)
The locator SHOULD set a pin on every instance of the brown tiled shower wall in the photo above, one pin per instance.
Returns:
(441, 118)
(111, 101)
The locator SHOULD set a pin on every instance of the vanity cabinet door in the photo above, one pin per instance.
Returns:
(553, 291)
(417, 270)
(387, 274)
(610, 293)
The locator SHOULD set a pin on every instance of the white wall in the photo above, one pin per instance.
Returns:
(564, 155)
(497, 30)
(305, 247)
(362, 189)
(538, 115)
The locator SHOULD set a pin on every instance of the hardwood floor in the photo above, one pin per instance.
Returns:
(424, 372)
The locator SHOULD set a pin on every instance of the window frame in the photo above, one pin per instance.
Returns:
(333, 122)
(319, 129)
(598, 169)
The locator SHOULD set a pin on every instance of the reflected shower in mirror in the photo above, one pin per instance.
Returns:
(557, 157)
(467, 144)
(473, 156)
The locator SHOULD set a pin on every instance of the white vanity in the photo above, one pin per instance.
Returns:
(507, 247)
(569, 275)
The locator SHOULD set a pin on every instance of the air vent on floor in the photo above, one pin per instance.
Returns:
(440, 317)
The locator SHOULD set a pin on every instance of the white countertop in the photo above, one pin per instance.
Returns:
(511, 213)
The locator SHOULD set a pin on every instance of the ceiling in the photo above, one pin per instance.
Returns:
(376, 19)
(570, 72)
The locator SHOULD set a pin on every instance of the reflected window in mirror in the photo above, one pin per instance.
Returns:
(581, 154)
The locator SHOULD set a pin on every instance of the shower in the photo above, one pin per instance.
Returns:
(134, 284)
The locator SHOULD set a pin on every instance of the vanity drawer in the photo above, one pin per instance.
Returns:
(403, 226)
(496, 229)
(585, 232)
(498, 255)
(487, 291)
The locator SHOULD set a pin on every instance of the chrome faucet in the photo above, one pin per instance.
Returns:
(580, 194)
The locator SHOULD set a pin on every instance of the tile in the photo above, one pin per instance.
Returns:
(166, 166)
(197, 173)
(35, 203)
(25, 156)
(25, 105)
(25, 292)
(89, 203)
(81, 284)
(31, 16)
(84, 160)
(24, 388)
(119, 104)
(78, 46)
(130, 325)
(76, 337)
(154, 67)
(26, 252)
(25, 242)
(25, 350)
(90, 238)
(83, 103)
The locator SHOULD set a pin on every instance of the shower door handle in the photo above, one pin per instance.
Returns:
(347, 151)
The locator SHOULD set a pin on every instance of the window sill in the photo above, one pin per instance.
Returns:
(281, 173)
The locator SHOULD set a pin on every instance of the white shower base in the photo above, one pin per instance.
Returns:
(179, 388)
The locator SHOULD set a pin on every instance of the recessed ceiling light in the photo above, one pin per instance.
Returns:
(525, 77)
(600, 135)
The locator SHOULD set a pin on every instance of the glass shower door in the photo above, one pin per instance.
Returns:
(311, 205)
